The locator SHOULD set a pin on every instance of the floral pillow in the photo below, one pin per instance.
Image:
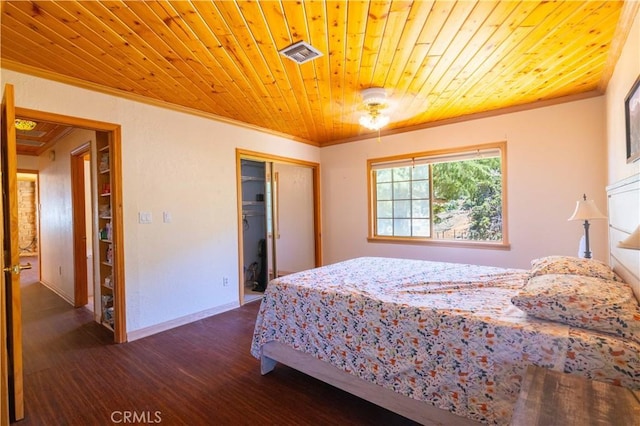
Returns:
(572, 265)
(587, 302)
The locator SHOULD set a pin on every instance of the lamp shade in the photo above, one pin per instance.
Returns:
(586, 210)
(632, 241)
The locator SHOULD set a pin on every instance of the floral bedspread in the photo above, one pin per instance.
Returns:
(439, 332)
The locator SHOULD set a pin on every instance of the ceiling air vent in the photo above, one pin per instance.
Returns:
(31, 133)
(28, 142)
(301, 52)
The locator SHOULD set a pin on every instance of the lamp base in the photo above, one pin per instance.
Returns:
(587, 252)
(582, 249)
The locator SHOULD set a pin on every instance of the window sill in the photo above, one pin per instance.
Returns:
(443, 243)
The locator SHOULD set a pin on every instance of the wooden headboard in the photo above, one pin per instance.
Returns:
(624, 217)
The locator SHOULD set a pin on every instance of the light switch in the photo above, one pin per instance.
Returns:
(166, 217)
(145, 217)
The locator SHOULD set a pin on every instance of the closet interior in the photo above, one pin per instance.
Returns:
(279, 222)
(254, 226)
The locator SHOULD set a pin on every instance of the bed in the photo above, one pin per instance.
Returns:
(445, 343)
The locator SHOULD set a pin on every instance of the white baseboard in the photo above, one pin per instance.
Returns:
(67, 298)
(168, 325)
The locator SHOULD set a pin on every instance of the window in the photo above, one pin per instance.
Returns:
(444, 196)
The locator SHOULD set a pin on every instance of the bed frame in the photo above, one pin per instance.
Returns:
(623, 202)
(419, 411)
(624, 210)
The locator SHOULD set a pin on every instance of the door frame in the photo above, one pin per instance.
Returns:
(113, 133)
(242, 154)
(80, 292)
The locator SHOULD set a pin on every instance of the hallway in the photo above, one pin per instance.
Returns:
(198, 374)
(55, 337)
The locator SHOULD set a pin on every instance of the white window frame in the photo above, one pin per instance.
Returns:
(436, 156)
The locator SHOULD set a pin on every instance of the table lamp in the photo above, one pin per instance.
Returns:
(586, 210)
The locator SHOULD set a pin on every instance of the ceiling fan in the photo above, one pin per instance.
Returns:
(379, 107)
(376, 108)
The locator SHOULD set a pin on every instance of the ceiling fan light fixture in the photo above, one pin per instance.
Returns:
(374, 122)
(374, 96)
(375, 102)
(25, 125)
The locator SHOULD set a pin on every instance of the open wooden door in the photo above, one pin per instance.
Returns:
(4, 353)
(12, 386)
(79, 211)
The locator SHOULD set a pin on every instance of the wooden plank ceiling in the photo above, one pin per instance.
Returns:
(438, 60)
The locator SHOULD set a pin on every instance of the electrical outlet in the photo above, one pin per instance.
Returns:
(225, 281)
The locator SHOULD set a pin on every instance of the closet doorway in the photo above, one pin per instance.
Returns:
(279, 219)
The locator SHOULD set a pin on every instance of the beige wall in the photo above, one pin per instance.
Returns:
(626, 72)
(172, 162)
(56, 221)
(27, 162)
(554, 155)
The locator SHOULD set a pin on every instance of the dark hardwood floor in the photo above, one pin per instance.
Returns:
(198, 374)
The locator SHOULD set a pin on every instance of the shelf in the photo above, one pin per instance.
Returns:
(253, 203)
(106, 251)
(108, 325)
(252, 179)
(252, 164)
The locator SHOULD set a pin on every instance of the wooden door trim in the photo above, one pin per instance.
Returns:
(242, 154)
(114, 133)
(80, 292)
